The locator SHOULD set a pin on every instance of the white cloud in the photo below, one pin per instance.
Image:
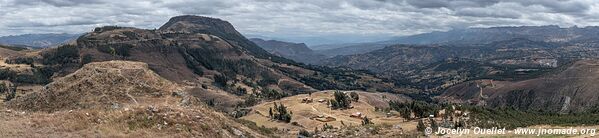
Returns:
(295, 18)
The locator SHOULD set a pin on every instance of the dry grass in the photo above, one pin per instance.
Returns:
(303, 112)
(115, 99)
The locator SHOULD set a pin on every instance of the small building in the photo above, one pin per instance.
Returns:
(356, 115)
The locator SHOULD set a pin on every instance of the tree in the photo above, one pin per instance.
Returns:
(86, 59)
(2, 88)
(280, 113)
(434, 124)
(341, 101)
(354, 96)
(270, 112)
(405, 113)
(366, 121)
(420, 127)
(12, 93)
(221, 80)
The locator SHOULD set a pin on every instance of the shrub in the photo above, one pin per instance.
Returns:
(305, 133)
(366, 121)
(86, 59)
(61, 55)
(221, 80)
(3, 88)
(12, 93)
(420, 127)
(116, 49)
(419, 108)
(271, 94)
(341, 101)
(354, 96)
(280, 113)
(20, 60)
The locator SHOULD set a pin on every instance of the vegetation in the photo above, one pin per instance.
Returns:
(271, 94)
(86, 59)
(419, 108)
(512, 118)
(366, 121)
(41, 75)
(354, 96)
(434, 124)
(305, 133)
(61, 55)
(326, 127)
(341, 101)
(221, 80)
(116, 49)
(280, 113)
(3, 88)
(420, 127)
(20, 60)
(13, 48)
(12, 93)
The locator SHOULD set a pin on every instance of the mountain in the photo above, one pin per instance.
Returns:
(206, 52)
(349, 49)
(126, 76)
(314, 41)
(117, 98)
(295, 51)
(439, 66)
(471, 36)
(551, 33)
(38, 40)
(571, 89)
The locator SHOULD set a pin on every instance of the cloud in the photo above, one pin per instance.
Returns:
(291, 18)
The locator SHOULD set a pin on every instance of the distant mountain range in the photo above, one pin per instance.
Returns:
(38, 40)
(472, 36)
(295, 51)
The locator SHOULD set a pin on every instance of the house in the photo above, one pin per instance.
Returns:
(356, 115)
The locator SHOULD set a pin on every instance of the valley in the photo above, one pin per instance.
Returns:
(200, 76)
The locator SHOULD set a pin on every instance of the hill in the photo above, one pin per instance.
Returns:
(116, 98)
(434, 67)
(317, 113)
(295, 51)
(98, 85)
(550, 33)
(207, 55)
(570, 90)
(471, 36)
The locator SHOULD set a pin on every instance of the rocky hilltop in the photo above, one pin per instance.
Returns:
(98, 85)
(115, 99)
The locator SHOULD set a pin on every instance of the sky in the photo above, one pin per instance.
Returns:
(298, 20)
